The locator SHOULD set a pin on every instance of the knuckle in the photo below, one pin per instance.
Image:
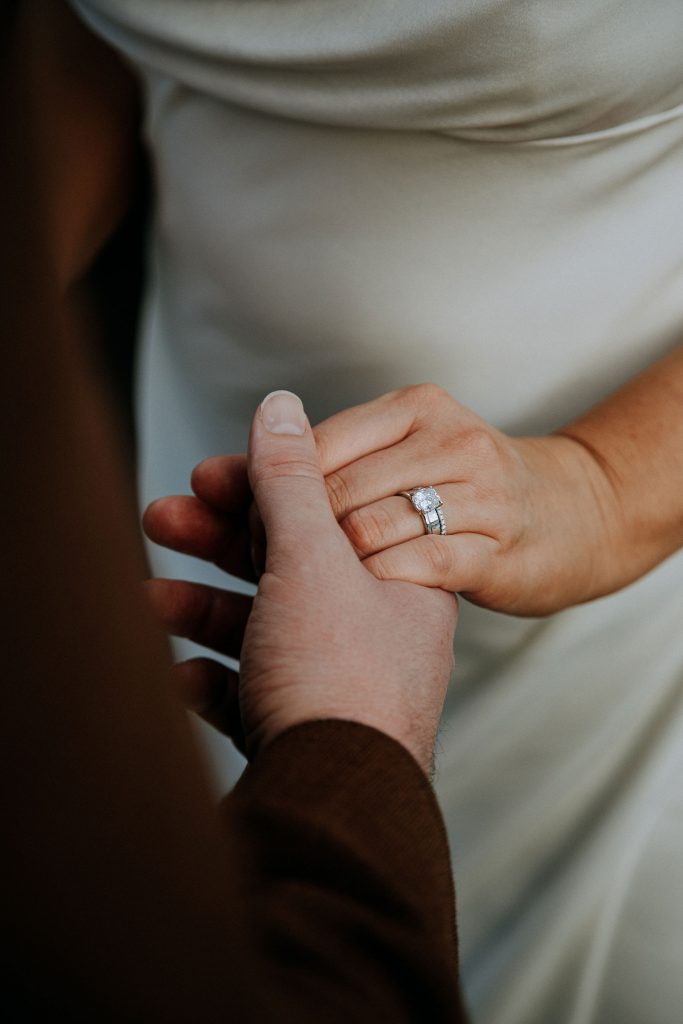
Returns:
(480, 445)
(378, 567)
(424, 396)
(428, 404)
(442, 443)
(367, 529)
(439, 558)
(338, 493)
(419, 401)
(432, 392)
(283, 465)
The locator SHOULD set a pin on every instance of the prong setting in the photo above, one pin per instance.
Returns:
(428, 503)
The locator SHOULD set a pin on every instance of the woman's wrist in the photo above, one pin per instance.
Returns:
(636, 438)
(578, 523)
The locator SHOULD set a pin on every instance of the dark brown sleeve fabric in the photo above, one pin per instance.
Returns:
(125, 897)
(354, 901)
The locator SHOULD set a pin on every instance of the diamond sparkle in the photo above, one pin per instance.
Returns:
(425, 499)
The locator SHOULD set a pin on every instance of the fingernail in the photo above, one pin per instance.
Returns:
(283, 413)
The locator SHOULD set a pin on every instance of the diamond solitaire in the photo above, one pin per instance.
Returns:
(425, 499)
(427, 502)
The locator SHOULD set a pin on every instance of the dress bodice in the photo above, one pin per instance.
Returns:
(499, 69)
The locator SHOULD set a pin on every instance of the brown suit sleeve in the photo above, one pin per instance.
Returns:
(321, 891)
(354, 890)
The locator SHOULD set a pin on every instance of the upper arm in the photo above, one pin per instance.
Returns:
(86, 103)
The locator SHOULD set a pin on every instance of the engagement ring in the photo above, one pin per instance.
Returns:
(427, 502)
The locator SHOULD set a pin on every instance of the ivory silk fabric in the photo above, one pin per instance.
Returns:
(353, 196)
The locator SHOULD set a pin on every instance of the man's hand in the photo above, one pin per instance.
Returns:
(324, 638)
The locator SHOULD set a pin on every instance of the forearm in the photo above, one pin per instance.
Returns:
(635, 439)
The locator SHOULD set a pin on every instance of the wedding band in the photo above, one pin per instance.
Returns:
(428, 503)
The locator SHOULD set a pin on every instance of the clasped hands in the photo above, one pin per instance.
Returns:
(354, 610)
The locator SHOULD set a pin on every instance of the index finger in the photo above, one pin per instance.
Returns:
(186, 524)
(363, 429)
(222, 481)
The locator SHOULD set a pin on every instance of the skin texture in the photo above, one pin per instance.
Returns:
(360, 630)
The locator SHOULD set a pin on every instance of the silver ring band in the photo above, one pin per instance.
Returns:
(428, 503)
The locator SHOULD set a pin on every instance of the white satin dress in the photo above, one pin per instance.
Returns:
(488, 194)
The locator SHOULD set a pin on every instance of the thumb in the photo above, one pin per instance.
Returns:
(286, 478)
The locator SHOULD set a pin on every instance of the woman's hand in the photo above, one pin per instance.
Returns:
(534, 524)
(530, 521)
